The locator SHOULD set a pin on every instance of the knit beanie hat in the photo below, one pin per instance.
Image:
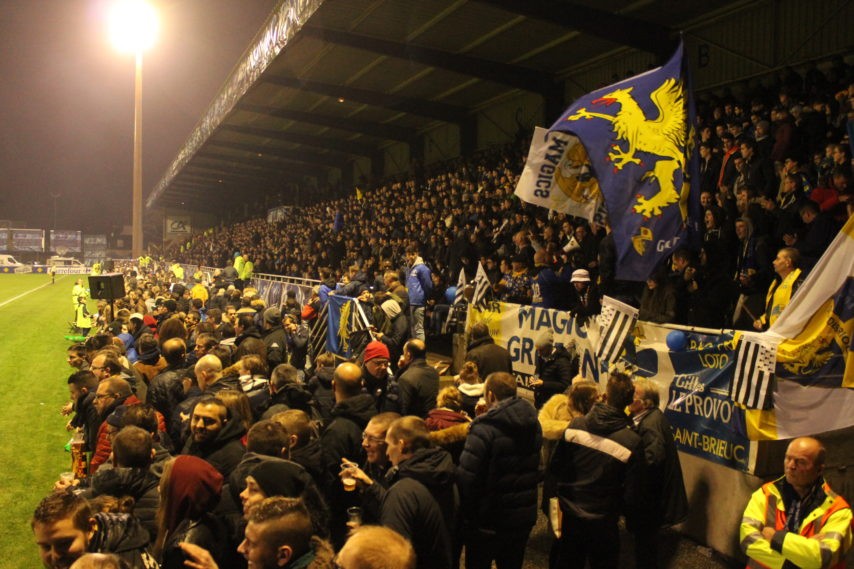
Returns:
(280, 478)
(376, 349)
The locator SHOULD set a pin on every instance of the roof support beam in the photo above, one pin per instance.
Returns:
(618, 28)
(376, 130)
(329, 159)
(250, 163)
(418, 107)
(344, 146)
(503, 73)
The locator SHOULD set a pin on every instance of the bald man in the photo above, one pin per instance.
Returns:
(208, 370)
(797, 520)
(342, 438)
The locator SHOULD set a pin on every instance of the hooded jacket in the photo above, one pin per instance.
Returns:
(499, 468)
(138, 483)
(421, 504)
(225, 451)
(598, 466)
(124, 536)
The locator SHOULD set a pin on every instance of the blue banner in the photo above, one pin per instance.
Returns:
(705, 421)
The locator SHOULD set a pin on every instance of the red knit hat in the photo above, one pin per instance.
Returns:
(376, 349)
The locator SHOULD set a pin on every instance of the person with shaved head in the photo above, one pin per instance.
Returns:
(342, 438)
(797, 520)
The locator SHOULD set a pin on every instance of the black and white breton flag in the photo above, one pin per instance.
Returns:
(753, 382)
(481, 287)
(458, 298)
(616, 322)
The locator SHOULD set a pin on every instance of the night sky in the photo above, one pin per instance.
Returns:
(66, 102)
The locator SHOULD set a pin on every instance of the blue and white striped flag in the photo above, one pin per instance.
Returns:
(616, 322)
(753, 381)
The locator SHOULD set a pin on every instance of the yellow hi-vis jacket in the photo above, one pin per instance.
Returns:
(821, 542)
(778, 297)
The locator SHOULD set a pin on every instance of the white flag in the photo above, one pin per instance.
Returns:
(481, 286)
(616, 321)
(557, 175)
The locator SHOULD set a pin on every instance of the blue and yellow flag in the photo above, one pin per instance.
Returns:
(637, 136)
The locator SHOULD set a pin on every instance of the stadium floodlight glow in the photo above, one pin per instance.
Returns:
(133, 28)
(133, 25)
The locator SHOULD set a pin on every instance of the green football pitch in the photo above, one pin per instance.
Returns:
(34, 317)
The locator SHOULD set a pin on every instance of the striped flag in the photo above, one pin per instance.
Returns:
(458, 298)
(616, 321)
(481, 287)
(753, 382)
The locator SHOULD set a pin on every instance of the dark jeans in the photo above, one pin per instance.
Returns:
(596, 541)
(507, 549)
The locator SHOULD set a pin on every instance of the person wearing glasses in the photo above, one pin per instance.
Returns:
(111, 393)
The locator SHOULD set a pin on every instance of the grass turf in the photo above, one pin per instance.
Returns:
(33, 373)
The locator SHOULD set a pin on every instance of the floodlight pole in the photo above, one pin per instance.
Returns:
(136, 215)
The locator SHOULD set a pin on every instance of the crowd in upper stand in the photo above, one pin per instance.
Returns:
(775, 173)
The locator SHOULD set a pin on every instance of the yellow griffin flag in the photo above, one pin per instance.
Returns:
(815, 368)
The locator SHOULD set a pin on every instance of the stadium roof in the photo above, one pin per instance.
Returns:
(327, 82)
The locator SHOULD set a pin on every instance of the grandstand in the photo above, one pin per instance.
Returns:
(412, 121)
(355, 141)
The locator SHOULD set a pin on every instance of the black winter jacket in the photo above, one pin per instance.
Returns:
(138, 483)
(499, 468)
(419, 386)
(207, 532)
(598, 466)
(122, 535)
(320, 385)
(165, 390)
(489, 357)
(224, 452)
(342, 436)
(556, 370)
(421, 504)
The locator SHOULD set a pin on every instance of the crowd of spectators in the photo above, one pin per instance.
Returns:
(210, 436)
(236, 445)
(775, 172)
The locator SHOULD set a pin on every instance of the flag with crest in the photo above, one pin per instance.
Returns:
(640, 143)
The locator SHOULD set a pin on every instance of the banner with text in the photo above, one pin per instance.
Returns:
(693, 382)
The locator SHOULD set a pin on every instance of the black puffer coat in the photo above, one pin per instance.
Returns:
(499, 467)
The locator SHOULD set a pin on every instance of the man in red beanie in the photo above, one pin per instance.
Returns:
(376, 376)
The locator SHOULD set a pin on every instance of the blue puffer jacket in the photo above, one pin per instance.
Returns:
(418, 283)
(499, 468)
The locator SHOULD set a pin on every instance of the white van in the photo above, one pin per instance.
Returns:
(8, 264)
